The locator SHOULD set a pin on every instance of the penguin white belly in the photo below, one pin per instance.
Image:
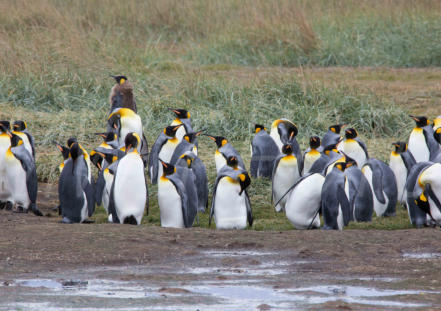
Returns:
(180, 133)
(166, 153)
(417, 145)
(16, 176)
(397, 166)
(276, 137)
(286, 175)
(304, 202)
(84, 209)
(195, 150)
(130, 124)
(106, 193)
(348, 195)
(219, 160)
(353, 149)
(340, 222)
(130, 191)
(310, 158)
(170, 204)
(230, 211)
(379, 207)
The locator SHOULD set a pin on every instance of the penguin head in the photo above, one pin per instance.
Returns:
(340, 166)
(351, 133)
(232, 162)
(336, 128)
(97, 159)
(71, 141)
(5, 126)
(171, 130)
(75, 150)
(330, 148)
(290, 129)
(19, 126)
(120, 79)
(114, 120)
(349, 161)
(181, 113)
(287, 149)
(314, 142)
(437, 135)
(219, 140)
(423, 203)
(258, 128)
(421, 121)
(188, 159)
(63, 149)
(132, 140)
(167, 168)
(244, 181)
(16, 140)
(400, 146)
(190, 137)
(110, 136)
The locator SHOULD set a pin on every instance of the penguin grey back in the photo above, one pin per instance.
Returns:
(416, 215)
(264, 153)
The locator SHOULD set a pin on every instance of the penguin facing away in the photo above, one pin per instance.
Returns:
(75, 192)
(354, 147)
(332, 136)
(335, 203)
(303, 202)
(22, 176)
(128, 195)
(230, 205)
(400, 162)
(311, 155)
(5, 143)
(20, 128)
(281, 130)
(285, 174)
(224, 151)
(384, 187)
(264, 152)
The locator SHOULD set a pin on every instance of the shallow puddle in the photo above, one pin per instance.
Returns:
(422, 255)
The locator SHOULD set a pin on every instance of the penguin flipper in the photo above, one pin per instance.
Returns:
(112, 209)
(144, 150)
(344, 204)
(180, 188)
(432, 195)
(254, 165)
(213, 198)
(432, 144)
(363, 146)
(99, 188)
(90, 195)
(276, 164)
(377, 183)
(200, 172)
(249, 211)
(154, 157)
(28, 165)
(31, 141)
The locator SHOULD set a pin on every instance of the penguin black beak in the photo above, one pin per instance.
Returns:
(414, 118)
(99, 166)
(163, 163)
(101, 134)
(210, 136)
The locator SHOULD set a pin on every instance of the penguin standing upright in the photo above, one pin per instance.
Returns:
(422, 144)
(182, 117)
(22, 176)
(335, 203)
(85, 155)
(230, 205)
(224, 151)
(264, 152)
(5, 143)
(162, 149)
(384, 187)
(128, 195)
(286, 172)
(354, 147)
(75, 192)
(332, 136)
(177, 199)
(186, 144)
(20, 128)
(400, 162)
(311, 155)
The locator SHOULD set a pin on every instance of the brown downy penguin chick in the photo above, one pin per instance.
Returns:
(121, 94)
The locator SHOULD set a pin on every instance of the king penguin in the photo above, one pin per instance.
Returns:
(354, 147)
(417, 216)
(163, 149)
(182, 117)
(384, 187)
(85, 154)
(422, 144)
(303, 202)
(22, 176)
(264, 152)
(177, 198)
(230, 205)
(335, 203)
(224, 151)
(5, 143)
(437, 123)
(281, 130)
(312, 154)
(20, 128)
(64, 152)
(285, 174)
(125, 121)
(186, 144)
(75, 192)
(128, 195)
(400, 162)
(332, 136)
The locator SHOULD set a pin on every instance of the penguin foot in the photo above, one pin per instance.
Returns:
(88, 221)
(9, 206)
(2, 205)
(20, 209)
(66, 220)
(36, 211)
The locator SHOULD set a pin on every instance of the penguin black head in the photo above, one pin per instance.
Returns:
(423, 203)
(181, 113)
(167, 168)
(110, 136)
(341, 166)
(258, 128)
(16, 140)
(349, 161)
(219, 140)
(97, 159)
(70, 141)
(232, 161)
(330, 148)
(336, 128)
(114, 120)
(400, 146)
(63, 149)
(421, 121)
(287, 149)
(314, 142)
(351, 133)
(75, 150)
(187, 159)
(171, 130)
(131, 141)
(5, 126)
(244, 181)
(437, 135)
(120, 79)
(190, 137)
(19, 125)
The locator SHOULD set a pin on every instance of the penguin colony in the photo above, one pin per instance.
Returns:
(335, 177)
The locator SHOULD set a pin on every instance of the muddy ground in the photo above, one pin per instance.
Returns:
(33, 247)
